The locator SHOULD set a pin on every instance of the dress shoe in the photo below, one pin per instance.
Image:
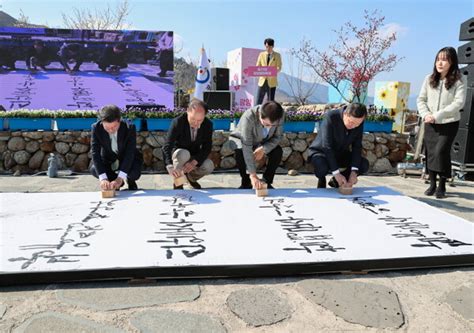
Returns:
(321, 183)
(193, 184)
(440, 193)
(245, 187)
(180, 187)
(132, 185)
(430, 190)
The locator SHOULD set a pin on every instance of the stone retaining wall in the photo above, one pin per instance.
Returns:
(28, 152)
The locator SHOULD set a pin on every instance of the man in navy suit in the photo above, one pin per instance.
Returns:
(114, 58)
(337, 148)
(114, 153)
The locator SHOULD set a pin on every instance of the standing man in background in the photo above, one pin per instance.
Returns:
(165, 52)
(267, 84)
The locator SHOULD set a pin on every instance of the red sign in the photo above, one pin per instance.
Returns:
(261, 71)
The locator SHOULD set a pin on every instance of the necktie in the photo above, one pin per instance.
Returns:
(114, 146)
(113, 142)
(193, 134)
(268, 58)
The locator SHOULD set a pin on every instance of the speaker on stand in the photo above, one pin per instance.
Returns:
(219, 97)
(462, 150)
(220, 78)
(223, 100)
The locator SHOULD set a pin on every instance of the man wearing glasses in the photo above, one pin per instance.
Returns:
(337, 148)
(257, 137)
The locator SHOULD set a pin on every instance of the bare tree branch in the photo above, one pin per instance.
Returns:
(96, 19)
(23, 21)
(299, 91)
(357, 56)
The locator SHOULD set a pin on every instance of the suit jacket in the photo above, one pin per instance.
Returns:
(249, 134)
(44, 56)
(274, 61)
(111, 58)
(102, 153)
(71, 51)
(179, 136)
(334, 139)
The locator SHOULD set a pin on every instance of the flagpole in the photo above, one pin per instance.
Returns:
(203, 75)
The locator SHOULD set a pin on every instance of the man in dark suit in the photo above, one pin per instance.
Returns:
(337, 148)
(113, 58)
(71, 53)
(256, 139)
(7, 59)
(188, 145)
(114, 153)
(37, 55)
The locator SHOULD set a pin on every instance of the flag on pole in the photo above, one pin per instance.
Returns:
(203, 76)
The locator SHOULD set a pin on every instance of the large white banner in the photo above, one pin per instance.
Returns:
(48, 232)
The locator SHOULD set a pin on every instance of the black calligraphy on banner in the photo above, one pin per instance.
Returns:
(23, 93)
(300, 230)
(74, 236)
(179, 231)
(82, 95)
(136, 96)
(408, 227)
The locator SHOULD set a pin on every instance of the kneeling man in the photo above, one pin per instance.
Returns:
(337, 148)
(188, 145)
(114, 153)
(257, 137)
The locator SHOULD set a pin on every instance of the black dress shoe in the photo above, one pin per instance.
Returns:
(270, 187)
(132, 185)
(430, 190)
(245, 187)
(180, 187)
(321, 183)
(440, 194)
(333, 182)
(193, 184)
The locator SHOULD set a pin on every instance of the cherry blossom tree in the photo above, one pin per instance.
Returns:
(357, 56)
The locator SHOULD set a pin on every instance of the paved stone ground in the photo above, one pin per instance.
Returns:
(413, 301)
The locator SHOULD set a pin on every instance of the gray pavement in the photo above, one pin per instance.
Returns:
(410, 301)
